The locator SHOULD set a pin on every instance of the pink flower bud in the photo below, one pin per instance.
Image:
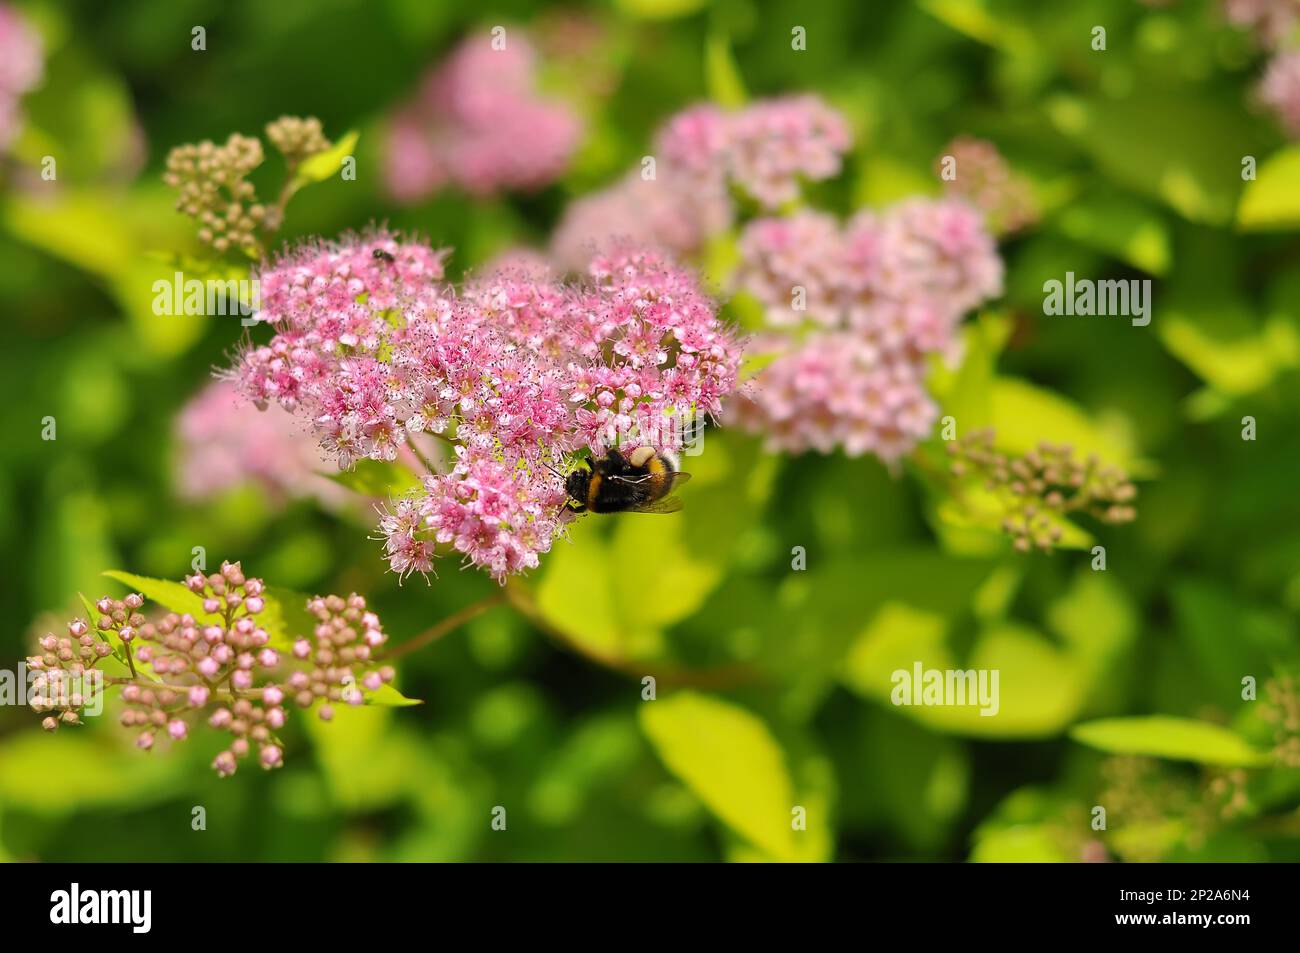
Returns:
(275, 718)
(134, 600)
(77, 628)
(268, 658)
(131, 693)
(126, 633)
(105, 605)
(242, 679)
(209, 667)
(253, 587)
(239, 746)
(221, 718)
(49, 724)
(326, 713)
(213, 634)
(196, 582)
(301, 648)
(198, 696)
(272, 757)
(177, 729)
(222, 654)
(372, 681)
(145, 741)
(253, 605)
(211, 605)
(273, 695)
(224, 764)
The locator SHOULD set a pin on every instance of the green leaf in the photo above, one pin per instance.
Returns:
(722, 76)
(325, 164)
(1272, 200)
(1227, 347)
(727, 756)
(1161, 736)
(1119, 226)
(1184, 150)
(659, 9)
(375, 478)
(386, 696)
(1024, 414)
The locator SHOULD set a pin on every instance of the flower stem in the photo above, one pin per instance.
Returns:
(452, 622)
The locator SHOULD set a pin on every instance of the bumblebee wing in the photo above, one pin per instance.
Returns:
(667, 504)
(679, 478)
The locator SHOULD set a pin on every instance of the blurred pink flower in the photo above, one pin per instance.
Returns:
(766, 150)
(21, 68)
(223, 446)
(1272, 21)
(1279, 90)
(881, 294)
(984, 179)
(478, 122)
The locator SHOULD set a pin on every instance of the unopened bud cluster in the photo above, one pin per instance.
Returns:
(213, 190)
(61, 686)
(345, 639)
(1039, 487)
(1281, 709)
(297, 139)
(213, 186)
(216, 667)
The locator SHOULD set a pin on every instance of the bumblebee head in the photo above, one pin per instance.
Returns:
(576, 485)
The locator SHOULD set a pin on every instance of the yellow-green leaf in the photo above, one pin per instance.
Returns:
(1272, 200)
(1161, 736)
(325, 164)
(727, 756)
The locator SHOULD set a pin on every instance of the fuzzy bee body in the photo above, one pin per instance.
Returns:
(380, 255)
(639, 482)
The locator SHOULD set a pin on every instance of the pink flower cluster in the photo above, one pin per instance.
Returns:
(874, 299)
(518, 372)
(21, 66)
(220, 448)
(217, 666)
(479, 123)
(765, 150)
(983, 178)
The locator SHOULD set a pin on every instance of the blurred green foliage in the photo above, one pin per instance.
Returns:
(772, 684)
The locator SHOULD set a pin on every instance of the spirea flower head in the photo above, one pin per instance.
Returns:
(878, 295)
(518, 371)
(21, 66)
(765, 150)
(838, 390)
(468, 120)
(217, 668)
(984, 179)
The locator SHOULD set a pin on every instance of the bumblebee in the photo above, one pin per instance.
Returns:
(639, 482)
(380, 255)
